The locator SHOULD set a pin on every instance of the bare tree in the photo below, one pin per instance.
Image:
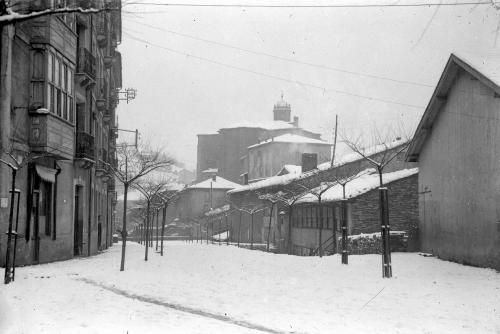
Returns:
(16, 159)
(272, 200)
(387, 146)
(383, 148)
(167, 197)
(343, 179)
(150, 188)
(288, 198)
(22, 10)
(318, 193)
(133, 164)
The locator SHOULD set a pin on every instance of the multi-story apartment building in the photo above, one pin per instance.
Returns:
(60, 76)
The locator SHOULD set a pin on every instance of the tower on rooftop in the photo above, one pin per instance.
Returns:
(282, 110)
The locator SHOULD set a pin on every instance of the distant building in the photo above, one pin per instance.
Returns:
(199, 198)
(266, 159)
(457, 146)
(227, 150)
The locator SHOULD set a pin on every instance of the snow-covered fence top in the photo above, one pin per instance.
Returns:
(366, 182)
(282, 180)
(218, 211)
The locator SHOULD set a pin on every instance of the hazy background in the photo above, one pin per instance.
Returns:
(180, 95)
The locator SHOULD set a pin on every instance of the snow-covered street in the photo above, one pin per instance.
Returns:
(223, 289)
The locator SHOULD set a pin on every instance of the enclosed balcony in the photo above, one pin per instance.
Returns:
(102, 95)
(102, 30)
(86, 67)
(50, 135)
(84, 146)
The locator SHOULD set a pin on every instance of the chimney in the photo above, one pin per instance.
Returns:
(296, 121)
(309, 161)
(245, 178)
(214, 178)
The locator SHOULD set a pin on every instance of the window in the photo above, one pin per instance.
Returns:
(60, 99)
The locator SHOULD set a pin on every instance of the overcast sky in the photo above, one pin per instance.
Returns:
(181, 95)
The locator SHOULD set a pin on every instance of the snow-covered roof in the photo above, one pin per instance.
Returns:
(210, 170)
(288, 178)
(291, 138)
(367, 181)
(489, 66)
(267, 125)
(219, 183)
(484, 68)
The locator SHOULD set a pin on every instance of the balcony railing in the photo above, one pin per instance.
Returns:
(86, 63)
(84, 146)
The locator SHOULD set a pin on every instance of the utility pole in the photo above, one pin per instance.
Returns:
(334, 141)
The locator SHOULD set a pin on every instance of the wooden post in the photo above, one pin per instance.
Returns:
(385, 233)
(343, 219)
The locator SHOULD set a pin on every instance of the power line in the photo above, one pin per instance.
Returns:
(468, 3)
(371, 98)
(290, 60)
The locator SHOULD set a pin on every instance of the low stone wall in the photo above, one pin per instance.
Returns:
(372, 243)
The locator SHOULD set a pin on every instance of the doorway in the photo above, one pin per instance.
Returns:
(36, 226)
(78, 224)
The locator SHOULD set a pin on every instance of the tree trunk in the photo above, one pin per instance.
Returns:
(343, 218)
(148, 235)
(269, 227)
(8, 277)
(124, 226)
(251, 233)
(157, 217)
(290, 245)
(320, 227)
(163, 220)
(239, 229)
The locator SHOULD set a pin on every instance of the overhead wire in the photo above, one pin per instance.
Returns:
(370, 5)
(242, 69)
(286, 59)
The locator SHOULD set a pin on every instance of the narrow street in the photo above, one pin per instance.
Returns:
(222, 289)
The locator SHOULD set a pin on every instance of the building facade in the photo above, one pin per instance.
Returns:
(227, 150)
(267, 158)
(456, 146)
(60, 76)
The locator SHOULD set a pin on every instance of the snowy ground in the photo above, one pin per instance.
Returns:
(223, 289)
